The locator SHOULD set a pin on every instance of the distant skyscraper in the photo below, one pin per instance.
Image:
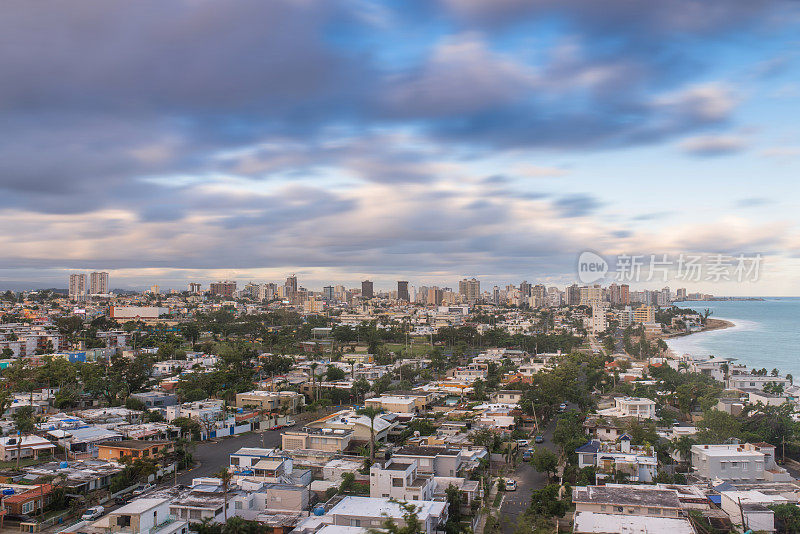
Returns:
(402, 291)
(624, 294)
(291, 285)
(524, 289)
(327, 292)
(77, 287)
(573, 295)
(98, 283)
(194, 288)
(367, 290)
(613, 294)
(155, 290)
(681, 293)
(223, 289)
(470, 289)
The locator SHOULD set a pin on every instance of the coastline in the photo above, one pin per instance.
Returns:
(711, 324)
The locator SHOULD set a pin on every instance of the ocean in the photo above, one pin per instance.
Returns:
(766, 333)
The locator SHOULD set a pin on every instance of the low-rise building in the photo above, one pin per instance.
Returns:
(636, 407)
(13, 447)
(401, 481)
(748, 462)
(439, 461)
(322, 439)
(141, 516)
(132, 448)
(368, 512)
(290, 401)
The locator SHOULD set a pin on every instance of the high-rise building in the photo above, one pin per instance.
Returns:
(367, 290)
(155, 289)
(524, 289)
(98, 283)
(291, 286)
(613, 294)
(223, 288)
(573, 295)
(681, 294)
(77, 287)
(470, 289)
(194, 288)
(402, 290)
(327, 292)
(625, 294)
(435, 296)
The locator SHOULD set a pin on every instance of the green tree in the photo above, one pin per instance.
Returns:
(787, 518)
(225, 476)
(545, 461)
(412, 524)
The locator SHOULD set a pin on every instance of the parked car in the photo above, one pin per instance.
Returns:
(539, 439)
(527, 455)
(290, 422)
(563, 407)
(92, 513)
(511, 484)
(121, 499)
(523, 442)
(141, 488)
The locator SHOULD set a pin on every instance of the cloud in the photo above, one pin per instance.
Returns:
(462, 75)
(753, 202)
(713, 145)
(781, 152)
(537, 171)
(577, 205)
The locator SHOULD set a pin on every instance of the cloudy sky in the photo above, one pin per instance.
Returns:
(425, 140)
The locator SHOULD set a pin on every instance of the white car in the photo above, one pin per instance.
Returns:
(290, 422)
(523, 442)
(92, 513)
(141, 488)
(511, 484)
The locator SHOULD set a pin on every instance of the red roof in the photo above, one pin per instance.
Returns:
(33, 493)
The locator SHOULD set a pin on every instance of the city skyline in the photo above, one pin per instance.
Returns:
(349, 140)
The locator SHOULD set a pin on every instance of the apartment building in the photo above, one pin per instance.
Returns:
(436, 460)
(322, 439)
(291, 401)
(747, 462)
(368, 512)
(401, 481)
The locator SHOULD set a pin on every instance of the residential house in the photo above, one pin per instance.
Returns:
(141, 516)
(401, 481)
(640, 464)
(748, 462)
(132, 448)
(368, 512)
(439, 461)
(30, 446)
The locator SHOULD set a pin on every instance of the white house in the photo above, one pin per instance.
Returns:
(401, 481)
(637, 407)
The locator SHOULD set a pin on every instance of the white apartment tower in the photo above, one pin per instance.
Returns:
(98, 283)
(77, 287)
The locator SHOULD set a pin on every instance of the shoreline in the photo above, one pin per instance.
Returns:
(711, 325)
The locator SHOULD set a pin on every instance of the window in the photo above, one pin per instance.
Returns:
(195, 514)
(239, 505)
(397, 482)
(355, 522)
(234, 460)
(654, 511)
(618, 509)
(218, 511)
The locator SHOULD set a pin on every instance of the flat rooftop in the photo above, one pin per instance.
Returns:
(625, 495)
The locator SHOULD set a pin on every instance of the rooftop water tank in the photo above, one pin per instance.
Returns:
(318, 510)
(63, 465)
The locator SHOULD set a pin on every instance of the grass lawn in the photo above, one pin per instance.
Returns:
(419, 349)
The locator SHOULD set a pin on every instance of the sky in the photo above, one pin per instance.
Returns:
(427, 140)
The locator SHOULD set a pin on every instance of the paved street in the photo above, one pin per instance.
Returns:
(213, 456)
(528, 479)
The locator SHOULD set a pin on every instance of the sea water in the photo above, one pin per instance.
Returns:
(766, 333)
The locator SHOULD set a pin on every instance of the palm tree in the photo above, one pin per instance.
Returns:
(372, 413)
(225, 476)
(314, 366)
(683, 446)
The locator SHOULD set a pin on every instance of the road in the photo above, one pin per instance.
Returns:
(528, 479)
(211, 456)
